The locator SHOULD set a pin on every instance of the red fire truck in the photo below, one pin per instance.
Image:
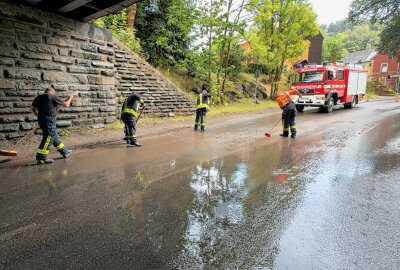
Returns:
(328, 85)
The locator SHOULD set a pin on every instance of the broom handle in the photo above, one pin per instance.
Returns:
(19, 142)
(275, 125)
(139, 115)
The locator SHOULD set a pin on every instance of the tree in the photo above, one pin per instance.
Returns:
(118, 24)
(164, 28)
(362, 37)
(279, 31)
(333, 48)
(382, 11)
(131, 14)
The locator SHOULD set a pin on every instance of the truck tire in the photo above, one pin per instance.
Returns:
(352, 104)
(329, 108)
(300, 108)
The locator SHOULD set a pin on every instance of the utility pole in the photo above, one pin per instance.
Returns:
(257, 75)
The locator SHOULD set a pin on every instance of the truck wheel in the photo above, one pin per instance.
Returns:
(300, 108)
(354, 102)
(330, 106)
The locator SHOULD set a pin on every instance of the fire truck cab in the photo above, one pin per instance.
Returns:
(328, 85)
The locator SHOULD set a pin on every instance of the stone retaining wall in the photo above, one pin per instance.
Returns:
(38, 49)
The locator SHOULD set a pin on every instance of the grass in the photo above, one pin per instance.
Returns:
(244, 106)
(370, 95)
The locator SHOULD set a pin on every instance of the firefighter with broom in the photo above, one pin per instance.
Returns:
(201, 109)
(288, 114)
(45, 107)
(129, 116)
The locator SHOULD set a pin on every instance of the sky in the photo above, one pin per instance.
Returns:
(331, 11)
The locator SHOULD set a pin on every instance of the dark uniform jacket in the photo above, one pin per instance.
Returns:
(47, 106)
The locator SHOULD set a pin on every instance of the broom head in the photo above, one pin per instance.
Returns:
(8, 153)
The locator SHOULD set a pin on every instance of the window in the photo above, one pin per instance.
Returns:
(384, 67)
(308, 77)
(340, 75)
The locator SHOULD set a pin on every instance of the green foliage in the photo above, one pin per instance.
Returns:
(333, 48)
(362, 37)
(279, 31)
(385, 12)
(390, 39)
(117, 23)
(164, 29)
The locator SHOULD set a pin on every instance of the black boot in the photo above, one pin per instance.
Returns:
(293, 136)
(135, 144)
(284, 135)
(45, 161)
(203, 128)
(196, 127)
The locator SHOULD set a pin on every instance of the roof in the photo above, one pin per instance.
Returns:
(83, 10)
(359, 57)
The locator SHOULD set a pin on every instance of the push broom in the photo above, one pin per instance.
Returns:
(12, 153)
(268, 133)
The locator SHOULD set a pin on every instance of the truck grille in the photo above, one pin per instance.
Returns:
(307, 91)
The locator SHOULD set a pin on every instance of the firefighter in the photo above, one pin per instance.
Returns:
(201, 109)
(288, 114)
(129, 115)
(45, 108)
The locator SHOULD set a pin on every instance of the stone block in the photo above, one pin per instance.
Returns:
(16, 94)
(81, 62)
(62, 77)
(102, 64)
(98, 42)
(110, 73)
(64, 60)
(22, 104)
(15, 73)
(7, 62)
(77, 69)
(51, 66)
(6, 10)
(31, 118)
(8, 52)
(14, 135)
(28, 37)
(9, 127)
(36, 47)
(82, 28)
(63, 52)
(106, 51)
(63, 116)
(29, 15)
(6, 104)
(89, 47)
(96, 33)
(27, 126)
(79, 38)
(11, 119)
(61, 124)
(106, 109)
(61, 42)
(31, 85)
(36, 56)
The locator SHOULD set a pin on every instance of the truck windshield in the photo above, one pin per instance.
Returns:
(308, 77)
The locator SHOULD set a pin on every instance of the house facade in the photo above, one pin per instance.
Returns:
(386, 70)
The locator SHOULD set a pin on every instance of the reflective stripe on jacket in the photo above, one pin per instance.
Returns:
(134, 111)
(200, 103)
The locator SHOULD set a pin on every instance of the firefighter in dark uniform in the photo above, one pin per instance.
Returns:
(129, 115)
(45, 108)
(201, 109)
(288, 114)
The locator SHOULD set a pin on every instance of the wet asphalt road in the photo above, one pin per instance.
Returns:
(226, 199)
